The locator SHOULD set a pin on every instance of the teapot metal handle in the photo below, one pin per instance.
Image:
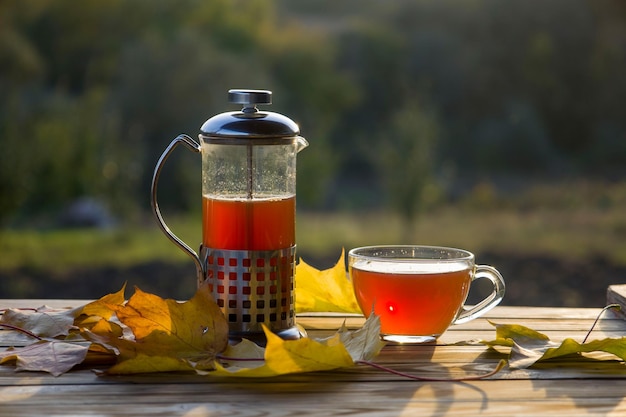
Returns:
(195, 147)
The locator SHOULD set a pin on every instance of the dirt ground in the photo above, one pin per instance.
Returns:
(531, 280)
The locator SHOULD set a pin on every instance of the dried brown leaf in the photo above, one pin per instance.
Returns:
(43, 322)
(54, 357)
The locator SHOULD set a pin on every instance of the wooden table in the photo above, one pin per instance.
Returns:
(560, 388)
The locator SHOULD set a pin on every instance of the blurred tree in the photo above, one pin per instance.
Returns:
(405, 160)
(21, 70)
(57, 121)
(373, 56)
(513, 141)
(310, 90)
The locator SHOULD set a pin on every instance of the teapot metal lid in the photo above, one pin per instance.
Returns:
(249, 125)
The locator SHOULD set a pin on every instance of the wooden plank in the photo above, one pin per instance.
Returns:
(497, 312)
(481, 329)
(422, 360)
(35, 303)
(332, 323)
(312, 398)
(561, 387)
(14, 339)
(505, 312)
(204, 408)
(616, 294)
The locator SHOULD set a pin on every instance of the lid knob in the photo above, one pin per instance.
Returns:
(249, 123)
(249, 98)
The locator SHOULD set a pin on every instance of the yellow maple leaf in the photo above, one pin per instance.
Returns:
(103, 326)
(142, 363)
(343, 349)
(168, 335)
(328, 290)
(93, 313)
(102, 307)
(293, 356)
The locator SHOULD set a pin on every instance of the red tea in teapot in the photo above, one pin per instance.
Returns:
(248, 224)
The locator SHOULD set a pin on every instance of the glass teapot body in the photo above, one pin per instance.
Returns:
(248, 193)
(248, 251)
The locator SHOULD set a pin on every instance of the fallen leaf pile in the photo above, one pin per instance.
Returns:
(166, 335)
(149, 334)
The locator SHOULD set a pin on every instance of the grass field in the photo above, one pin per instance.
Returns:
(568, 221)
(568, 234)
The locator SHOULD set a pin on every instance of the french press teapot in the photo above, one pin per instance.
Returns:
(248, 251)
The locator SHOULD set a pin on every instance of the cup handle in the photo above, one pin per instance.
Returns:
(492, 300)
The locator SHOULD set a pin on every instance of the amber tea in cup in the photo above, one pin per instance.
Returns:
(419, 291)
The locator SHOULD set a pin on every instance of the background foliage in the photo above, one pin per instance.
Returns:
(447, 93)
(499, 126)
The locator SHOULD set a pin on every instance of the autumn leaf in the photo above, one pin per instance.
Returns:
(43, 322)
(54, 357)
(363, 344)
(529, 347)
(281, 357)
(292, 356)
(104, 307)
(106, 327)
(143, 363)
(328, 290)
(47, 322)
(168, 335)
(245, 354)
(94, 312)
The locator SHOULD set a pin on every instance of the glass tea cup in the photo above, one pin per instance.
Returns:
(419, 291)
